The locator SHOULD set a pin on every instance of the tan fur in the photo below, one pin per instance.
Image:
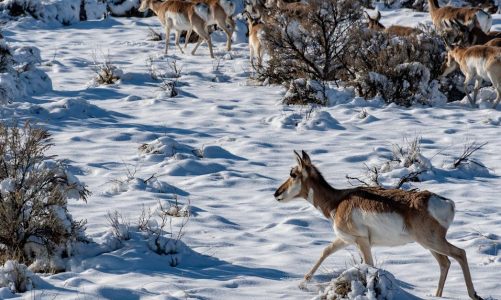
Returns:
(490, 64)
(218, 17)
(187, 11)
(465, 15)
(297, 8)
(374, 24)
(494, 42)
(339, 205)
(256, 47)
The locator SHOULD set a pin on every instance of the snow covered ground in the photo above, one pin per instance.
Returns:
(224, 144)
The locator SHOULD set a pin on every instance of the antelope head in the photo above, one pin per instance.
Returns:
(296, 186)
(373, 23)
(456, 33)
(451, 63)
(145, 5)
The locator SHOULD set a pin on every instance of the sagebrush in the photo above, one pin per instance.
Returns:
(35, 225)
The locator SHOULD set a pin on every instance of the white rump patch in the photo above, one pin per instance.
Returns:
(442, 210)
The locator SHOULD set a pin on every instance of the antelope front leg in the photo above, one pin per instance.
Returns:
(467, 80)
(178, 33)
(498, 97)
(478, 84)
(187, 37)
(333, 247)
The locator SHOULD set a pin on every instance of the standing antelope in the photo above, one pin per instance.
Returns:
(256, 33)
(221, 12)
(464, 15)
(374, 24)
(370, 217)
(471, 35)
(180, 16)
(298, 8)
(477, 63)
(256, 8)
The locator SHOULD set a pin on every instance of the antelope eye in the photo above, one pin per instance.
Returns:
(293, 175)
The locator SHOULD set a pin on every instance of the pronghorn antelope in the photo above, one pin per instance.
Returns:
(398, 30)
(180, 16)
(256, 8)
(471, 35)
(221, 12)
(256, 33)
(370, 217)
(293, 7)
(464, 15)
(477, 63)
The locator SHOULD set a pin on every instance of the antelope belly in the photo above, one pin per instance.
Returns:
(382, 229)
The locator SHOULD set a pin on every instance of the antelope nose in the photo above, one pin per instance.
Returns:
(277, 193)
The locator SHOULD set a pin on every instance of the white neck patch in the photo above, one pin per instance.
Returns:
(311, 195)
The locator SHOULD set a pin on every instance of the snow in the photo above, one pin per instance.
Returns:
(223, 145)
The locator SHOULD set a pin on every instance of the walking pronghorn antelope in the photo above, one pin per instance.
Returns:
(477, 63)
(465, 15)
(370, 217)
(221, 12)
(374, 24)
(181, 16)
(256, 33)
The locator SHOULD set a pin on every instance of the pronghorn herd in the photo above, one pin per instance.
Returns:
(472, 47)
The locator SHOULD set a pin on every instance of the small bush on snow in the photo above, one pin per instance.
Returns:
(17, 277)
(361, 282)
(35, 225)
(406, 164)
(156, 223)
(19, 75)
(106, 72)
(303, 92)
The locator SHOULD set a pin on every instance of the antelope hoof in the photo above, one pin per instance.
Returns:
(303, 286)
(477, 297)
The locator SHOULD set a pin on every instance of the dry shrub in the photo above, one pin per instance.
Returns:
(35, 224)
(305, 92)
(399, 69)
(311, 45)
(5, 58)
(105, 71)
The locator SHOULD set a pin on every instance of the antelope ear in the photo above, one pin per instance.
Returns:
(446, 43)
(298, 159)
(367, 15)
(306, 158)
(378, 16)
